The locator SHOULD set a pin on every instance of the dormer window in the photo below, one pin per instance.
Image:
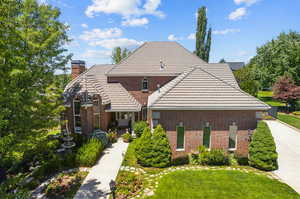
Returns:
(145, 84)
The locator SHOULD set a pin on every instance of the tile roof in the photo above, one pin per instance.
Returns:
(198, 89)
(146, 60)
(95, 81)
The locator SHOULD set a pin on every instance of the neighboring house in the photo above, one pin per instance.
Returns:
(162, 82)
(236, 65)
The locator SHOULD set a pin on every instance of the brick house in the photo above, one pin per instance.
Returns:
(162, 82)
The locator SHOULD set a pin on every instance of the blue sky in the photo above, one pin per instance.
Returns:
(96, 26)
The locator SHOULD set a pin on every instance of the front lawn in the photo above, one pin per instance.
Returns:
(289, 119)
(223, 184)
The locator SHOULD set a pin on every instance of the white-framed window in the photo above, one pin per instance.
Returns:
(233, 136)
(180, 133)
(145, 84)
(76, 114)
(155, 118)
(96, 113)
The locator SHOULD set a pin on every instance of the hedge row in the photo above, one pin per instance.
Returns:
(262, 149)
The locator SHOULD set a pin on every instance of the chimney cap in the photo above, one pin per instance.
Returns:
(81, 62)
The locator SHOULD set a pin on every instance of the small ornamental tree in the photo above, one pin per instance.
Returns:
(262, 149)
(161, 148)
(153, 150)
(286, 91)
(143, 148)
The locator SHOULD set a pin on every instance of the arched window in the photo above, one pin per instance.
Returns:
(145, 84)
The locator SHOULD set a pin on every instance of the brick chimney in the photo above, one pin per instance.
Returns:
(78, 67)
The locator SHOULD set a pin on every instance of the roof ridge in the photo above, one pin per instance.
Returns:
(180, 78)
(238, 89)
(123, 60)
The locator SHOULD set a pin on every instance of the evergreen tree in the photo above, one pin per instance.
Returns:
(222, 60)
(143, 147)
(118, 54)
(203, 37)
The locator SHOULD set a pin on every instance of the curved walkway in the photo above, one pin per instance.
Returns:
(96, 184)
(288, 148)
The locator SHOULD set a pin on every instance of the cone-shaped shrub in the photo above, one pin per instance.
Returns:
(262, 149)
(153, 150)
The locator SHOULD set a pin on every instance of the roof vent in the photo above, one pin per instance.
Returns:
(162, 65)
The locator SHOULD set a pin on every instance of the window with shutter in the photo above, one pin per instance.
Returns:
(180, 137)
(206, 136)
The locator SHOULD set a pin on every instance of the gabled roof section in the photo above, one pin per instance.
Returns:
(198, 89)
(95, 81)
(146, 60)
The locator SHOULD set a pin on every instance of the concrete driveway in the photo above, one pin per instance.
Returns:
(288, 148)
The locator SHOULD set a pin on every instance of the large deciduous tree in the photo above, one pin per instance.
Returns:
(32, 41)
(246, 80)
(286, 91)
(276, 57)
(203, 36)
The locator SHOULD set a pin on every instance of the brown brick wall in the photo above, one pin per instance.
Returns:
(77, 70)
(134, 85)
(87, 118)
(194, 122)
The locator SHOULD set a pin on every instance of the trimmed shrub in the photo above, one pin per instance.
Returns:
(112, 137)
(181, 160)
(214, 157)
(262, 149)
(153, 150)
(139, 128)
(127, 137)
(89, 153)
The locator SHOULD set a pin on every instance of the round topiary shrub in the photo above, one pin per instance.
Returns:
(153, 150)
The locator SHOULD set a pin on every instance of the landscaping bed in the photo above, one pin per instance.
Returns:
(223, 184)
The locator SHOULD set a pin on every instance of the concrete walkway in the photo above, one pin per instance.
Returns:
(288, 147)
(96, 184)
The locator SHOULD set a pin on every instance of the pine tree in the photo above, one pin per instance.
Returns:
(203, 37)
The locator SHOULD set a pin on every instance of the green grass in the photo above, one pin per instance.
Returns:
(289, 119)
(221, 184)
(266, 96)
(130, 159)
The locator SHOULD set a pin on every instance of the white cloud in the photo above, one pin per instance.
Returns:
(247, 2)
(84, 25)
(135, 22)
(225, 31)
(237, 14)
(112, 43)
(101, 34)
(191, 36)
(96, 54)
(172, 37)
(242, 53)
(124, 7)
